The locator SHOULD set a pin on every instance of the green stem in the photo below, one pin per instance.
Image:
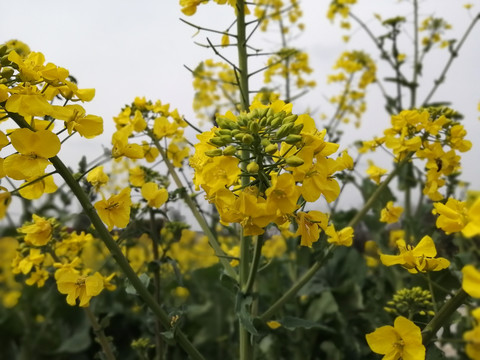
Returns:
(453, 55)
(290, 293)
(242, 55)
(102, 339)
(114, 249)
(413, 88)
(196, 214)
(253, 269)
(443, 315)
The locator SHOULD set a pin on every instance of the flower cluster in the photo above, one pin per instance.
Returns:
(432, 135)
(47, 250)
(262, 166)
(355, 70)
(407, 302)
(28, 89)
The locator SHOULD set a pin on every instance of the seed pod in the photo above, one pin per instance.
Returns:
(253, 167)
(229, 150)
(294, 161)
(247, 139)
(213, 152)
(293, 139)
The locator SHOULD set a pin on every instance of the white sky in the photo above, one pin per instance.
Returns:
(126, 48)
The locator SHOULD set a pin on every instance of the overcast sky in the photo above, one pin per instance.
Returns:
(127, 48)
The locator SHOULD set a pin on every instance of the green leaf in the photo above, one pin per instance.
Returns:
(292, 323)
(242, 308)
(79, 341)
(144, 278)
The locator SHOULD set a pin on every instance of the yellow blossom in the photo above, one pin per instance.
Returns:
(274, 247)
(472, 337)
(375, 172)
(115, 211)
(34, 149)
(155, 197)
(420, 258)
(343, 237)
(97, 177)
(452, 215)
(390, 214)
(39, 232)
(34, 189)
(471, 281)
(74, 285)
(403, 340)
(309, 225)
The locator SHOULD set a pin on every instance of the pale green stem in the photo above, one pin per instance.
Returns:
(246, 348)
(196, 213)
(413, 88)
(114, 249)
(443, 315)
(102, 339)
(290, 293)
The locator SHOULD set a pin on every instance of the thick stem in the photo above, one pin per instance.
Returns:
(413, 88)
(443, 315)
(102, 339)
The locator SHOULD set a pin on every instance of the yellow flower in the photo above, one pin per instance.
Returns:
(34, 149)
(25, 265)
(34, 189)
(272, 324)
(343, 237)
(74, 285)
(309, 225)
(390, 214)
(116, 210)
(473, 226)
(471, 281)
(403, 340)
(420, 258)
(274, 247)
(472, 337)
(97, 177)
(283, 194)
(375, 172)
(156, 197)
(137, 176)
(453, 215)
(5, 200)
(37, 233)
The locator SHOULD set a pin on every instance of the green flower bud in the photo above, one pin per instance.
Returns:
(239, 136)
(262, 122)
(234, 132)
(276, 122)
(213, 152)
(290, 118)
(271, 149)
(297, 129)
(284, 130)
(3, 50)
(7, 72)
(293, 139)
(263, 112)
(270, 112)
(227, 139)
(265, 142)
(225, 132)
(225, 123)
(217, 141)
(294, 161)
(253, 126)
(247, 139)
(4, 60)
(253, 167)
(229, 150)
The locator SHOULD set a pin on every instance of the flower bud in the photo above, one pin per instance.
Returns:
(213, 152)
(294, 161)
(227, 139)
(239, 136)
(293, 139)
(271, 149)
(253, 126)
(290, 118)
(7, 73)
(297, 129)
(247, 139)
(225, 132)
(217, 141)
(3, 50)
(284, 130)
(253, 167)
(229, 150)
(265, 142)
